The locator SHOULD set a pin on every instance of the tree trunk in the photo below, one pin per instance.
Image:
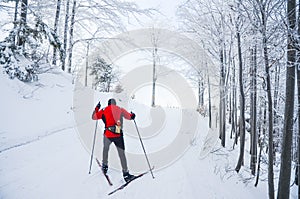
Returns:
(270, 114)
(242, 106)
(270, 102)
(233, 102)
(71, 36)
(276, 116)
(201, 92)
(23, 20)
(298, 86)
(154, 76)
(15, 22)
(253, 150)
(286, 154)
(209, 101)
(55, 29)
(234, 112)
(258, 165)
(65, 35)
(222, 99)
(87, 62)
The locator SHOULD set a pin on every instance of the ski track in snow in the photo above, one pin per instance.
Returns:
(35, 139)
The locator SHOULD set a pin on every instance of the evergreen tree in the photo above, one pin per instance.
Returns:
(104, 75)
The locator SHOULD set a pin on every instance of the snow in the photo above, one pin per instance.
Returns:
(42, 155)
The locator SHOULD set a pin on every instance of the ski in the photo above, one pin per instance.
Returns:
(124, 185)
(106, 176)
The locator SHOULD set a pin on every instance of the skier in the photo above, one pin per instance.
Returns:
(112, 116)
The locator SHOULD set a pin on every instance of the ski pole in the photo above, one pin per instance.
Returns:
(143, 149)
(93, 147)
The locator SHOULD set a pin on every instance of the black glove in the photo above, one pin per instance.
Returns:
(98, 106)
(132, 116)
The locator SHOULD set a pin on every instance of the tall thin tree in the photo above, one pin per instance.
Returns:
(15, 22)
(23, 20)
(253, 111)
(63, 64)
(57, 14)
(286, 154)
(242, 96)
(154, 40)
(70, 51)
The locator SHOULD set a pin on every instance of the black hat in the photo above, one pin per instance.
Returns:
(112, 101)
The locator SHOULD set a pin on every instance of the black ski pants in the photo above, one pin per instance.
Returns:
(119, 143)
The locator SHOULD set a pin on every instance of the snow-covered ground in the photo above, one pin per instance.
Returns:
(42, 156)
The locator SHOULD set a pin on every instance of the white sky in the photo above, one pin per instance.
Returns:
(165, 19)
(166, 7)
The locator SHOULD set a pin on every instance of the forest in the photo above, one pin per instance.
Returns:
(255, 44)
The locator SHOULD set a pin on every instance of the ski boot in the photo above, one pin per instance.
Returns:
(127, 176)
(104, 168)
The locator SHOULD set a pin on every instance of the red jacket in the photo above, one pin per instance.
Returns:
(110, 115)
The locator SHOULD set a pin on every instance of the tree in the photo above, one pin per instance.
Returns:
(89, 15)
(23, 19)
(286, 155)
(57, 14)
(15, 22)
(242, 95)
(104, 75)
(63, 64)
(22, 61)
(264, 18)
(260, 39)
(154, 41)
(70, 51)
(208, 20)
(253, 111)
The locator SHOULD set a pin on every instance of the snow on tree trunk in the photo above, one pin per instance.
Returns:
(55, 29)
(276, 115)
(63, 64)
(253, 111)
(86, 63)
(23, 19)
(154, 73)
(15, 22)
(71, 37)
(234, 106)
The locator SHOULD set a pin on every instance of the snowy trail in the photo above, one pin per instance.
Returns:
(57, 167)
(42, 156)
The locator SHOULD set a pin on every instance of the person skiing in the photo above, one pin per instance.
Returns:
(112, 116)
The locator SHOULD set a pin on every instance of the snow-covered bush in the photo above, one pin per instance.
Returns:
(23, 61)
